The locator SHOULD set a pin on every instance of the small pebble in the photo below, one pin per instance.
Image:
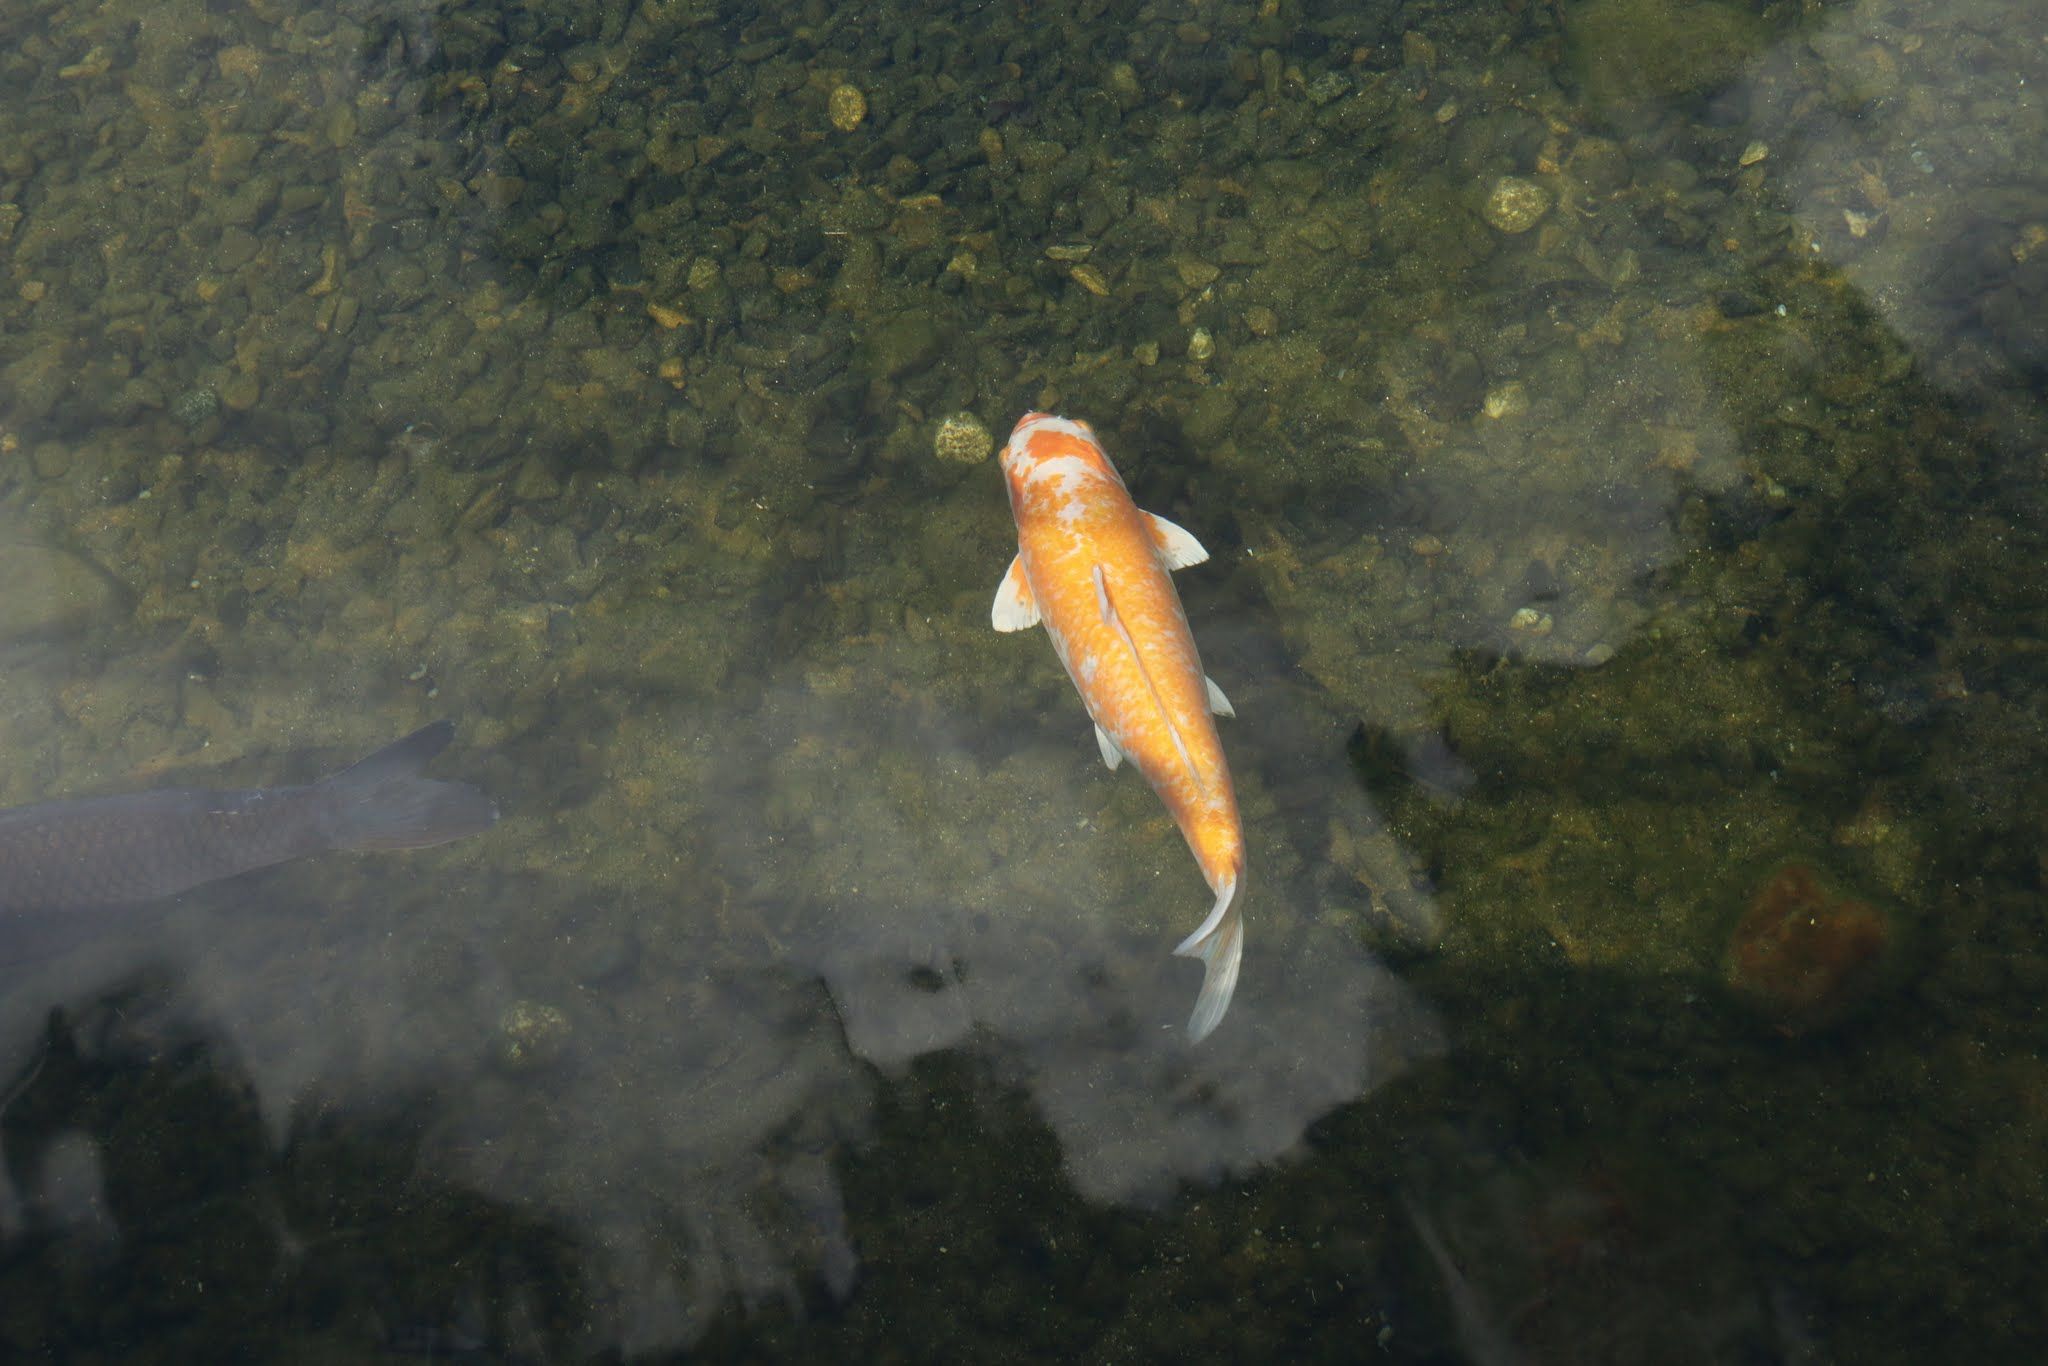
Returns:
(1516, 205)
(847, 107)
(963, 439)
(1090, 279)
(1509, 400)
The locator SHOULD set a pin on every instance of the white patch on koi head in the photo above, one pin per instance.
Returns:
(1067, 474)
(1033, 425)
(1054, 426)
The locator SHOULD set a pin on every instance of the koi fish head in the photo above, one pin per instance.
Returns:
(1040, 439)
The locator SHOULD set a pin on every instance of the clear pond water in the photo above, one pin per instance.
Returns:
(1619, 433)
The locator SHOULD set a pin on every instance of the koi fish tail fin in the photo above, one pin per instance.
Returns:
(384, 803)
(1219, 943)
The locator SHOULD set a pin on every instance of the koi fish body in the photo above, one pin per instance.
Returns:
(1094, 570)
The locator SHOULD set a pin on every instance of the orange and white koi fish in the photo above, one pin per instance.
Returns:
(1093, 570)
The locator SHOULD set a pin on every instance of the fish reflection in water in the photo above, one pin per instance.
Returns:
(98, 852)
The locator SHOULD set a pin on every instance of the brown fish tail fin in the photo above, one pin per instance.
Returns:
(384, 803)
(1219, 943)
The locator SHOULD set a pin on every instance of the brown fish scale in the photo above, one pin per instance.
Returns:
(116, 851)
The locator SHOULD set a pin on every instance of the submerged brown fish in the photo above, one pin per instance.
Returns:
(121, 851)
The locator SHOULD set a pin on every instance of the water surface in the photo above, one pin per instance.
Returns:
(1618, 431)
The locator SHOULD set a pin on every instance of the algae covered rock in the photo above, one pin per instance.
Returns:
(1516, 205)
(1632, 50)
(847, 107)
(963, 439)
(902, 343)
(531, 1035)
(49, 592)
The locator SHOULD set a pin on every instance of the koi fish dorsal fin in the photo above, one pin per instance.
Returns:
(1112, 618)
(1176, 546)
(1015, 609)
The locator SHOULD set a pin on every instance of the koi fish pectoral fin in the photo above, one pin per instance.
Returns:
(1218, 703)
(1176, 546)
(1112, 753)
(1015, 609)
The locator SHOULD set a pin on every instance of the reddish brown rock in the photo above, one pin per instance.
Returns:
(1806, 956)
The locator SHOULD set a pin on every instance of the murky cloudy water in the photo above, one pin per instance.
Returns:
(1619, 431)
